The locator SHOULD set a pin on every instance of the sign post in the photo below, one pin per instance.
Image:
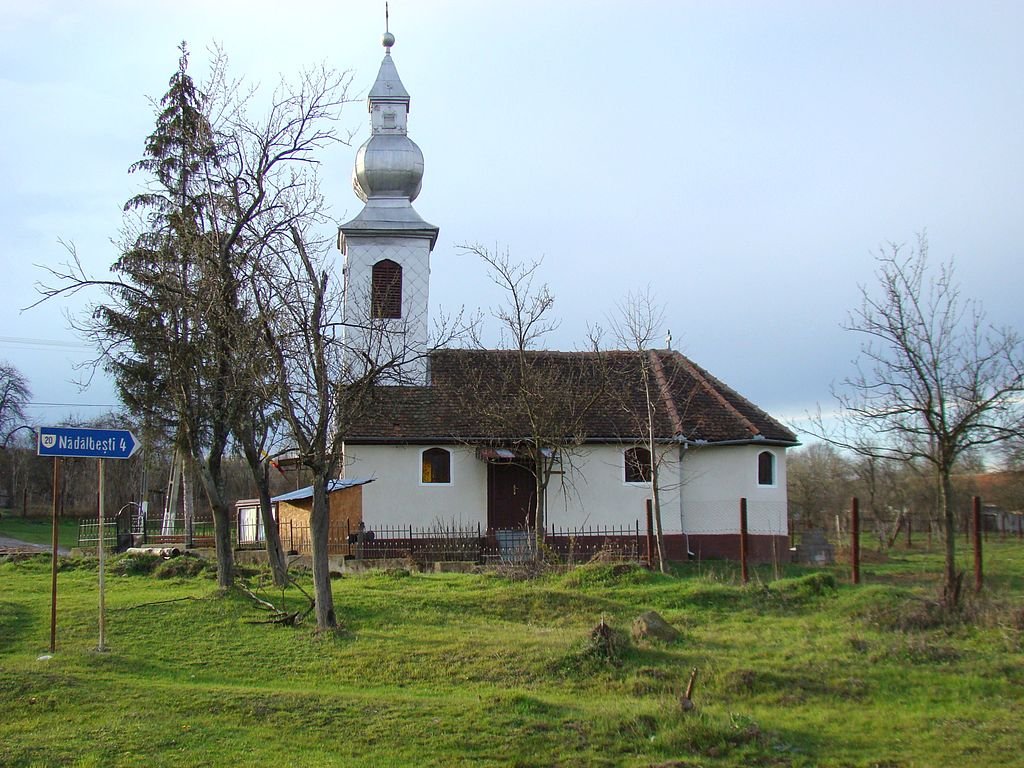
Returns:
(99, 444)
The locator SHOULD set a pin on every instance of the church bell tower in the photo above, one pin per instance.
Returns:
(386, 248)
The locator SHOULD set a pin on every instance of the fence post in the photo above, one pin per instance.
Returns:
(910, 525)
(650, 533)
(976, 511)
(744, 574)
(855, 539)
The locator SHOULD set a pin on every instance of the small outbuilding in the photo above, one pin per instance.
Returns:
(345, 514)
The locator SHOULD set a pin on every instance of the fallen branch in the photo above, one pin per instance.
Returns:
(159, 602)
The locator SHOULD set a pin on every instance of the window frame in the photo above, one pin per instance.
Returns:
(772, 469)
(436, 483)
(641, 468)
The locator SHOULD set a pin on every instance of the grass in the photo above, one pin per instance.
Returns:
(459, 670)
(37, 530)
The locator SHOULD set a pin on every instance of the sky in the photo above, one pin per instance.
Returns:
(745, 160)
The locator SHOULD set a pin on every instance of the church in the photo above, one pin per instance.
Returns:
(452, 441)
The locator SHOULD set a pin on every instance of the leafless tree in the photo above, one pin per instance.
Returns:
(934, 380)
(325, 378)
(14, 396)
(179, 325)
(538, 400)
(637, 322)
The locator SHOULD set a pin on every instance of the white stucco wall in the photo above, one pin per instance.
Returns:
(593, 491)
(398, 498)
(716, 477)
(700, 493)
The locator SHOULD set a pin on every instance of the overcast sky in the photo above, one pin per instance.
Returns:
(744, 159)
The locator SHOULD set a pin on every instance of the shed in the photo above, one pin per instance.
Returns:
(345, 513)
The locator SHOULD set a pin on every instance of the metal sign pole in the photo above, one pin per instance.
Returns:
(83, 443)
(102, 547)
(53, 568)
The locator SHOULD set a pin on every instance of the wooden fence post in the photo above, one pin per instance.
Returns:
(855, 539)
(744, 573)
(976, 511)
(650, 534)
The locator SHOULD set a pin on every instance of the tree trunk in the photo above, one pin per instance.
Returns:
(655, 493)
(271, 532)
(319, 529)
(222, 543)
(275, 552)
(951, 580)
(209, 472)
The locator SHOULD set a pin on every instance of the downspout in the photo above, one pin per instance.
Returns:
(683, 446)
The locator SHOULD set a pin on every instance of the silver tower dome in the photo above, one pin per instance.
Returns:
(388, 164)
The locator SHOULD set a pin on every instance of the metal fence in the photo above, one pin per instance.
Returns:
(468, 543)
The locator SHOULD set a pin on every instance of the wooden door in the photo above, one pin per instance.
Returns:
(511, 491)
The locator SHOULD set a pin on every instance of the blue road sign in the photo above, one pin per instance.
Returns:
(90, 443)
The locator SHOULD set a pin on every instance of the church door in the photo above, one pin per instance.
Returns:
(511, 491)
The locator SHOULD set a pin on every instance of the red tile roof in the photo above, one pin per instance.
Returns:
(478, 395)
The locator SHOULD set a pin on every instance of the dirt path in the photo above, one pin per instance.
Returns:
(7, 546)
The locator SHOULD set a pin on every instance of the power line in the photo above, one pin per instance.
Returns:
(26, 341)
(75, 405)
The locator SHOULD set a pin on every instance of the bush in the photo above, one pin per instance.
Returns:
(135, 565)
(184, 567)
(610, 575)
(804, 587)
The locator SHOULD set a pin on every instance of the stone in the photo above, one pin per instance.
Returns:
(650, 625)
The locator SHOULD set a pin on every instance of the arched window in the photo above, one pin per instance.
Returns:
(386, 290)
(638, 465)
(436, 466)
(766, 468)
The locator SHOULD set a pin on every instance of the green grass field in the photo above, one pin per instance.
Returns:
(37, 530)
(450, 670)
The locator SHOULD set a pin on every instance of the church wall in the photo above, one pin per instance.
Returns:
(700, 495)
(399, 498)
(716, 477)
(593, 491)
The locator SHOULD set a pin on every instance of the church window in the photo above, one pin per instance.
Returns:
(436, 466)
(386, 290)
(766, 468)
(638, 465)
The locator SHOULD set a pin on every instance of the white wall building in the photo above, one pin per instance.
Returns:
(448, 442)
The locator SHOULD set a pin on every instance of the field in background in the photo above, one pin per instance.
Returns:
(487, 670)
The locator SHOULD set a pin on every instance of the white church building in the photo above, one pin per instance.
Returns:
(444, 441)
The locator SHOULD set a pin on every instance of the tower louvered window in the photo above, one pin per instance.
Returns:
(386, 290)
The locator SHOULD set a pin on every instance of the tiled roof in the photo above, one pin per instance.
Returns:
(475, 395)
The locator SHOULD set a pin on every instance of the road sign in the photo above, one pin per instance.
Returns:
(91, 443)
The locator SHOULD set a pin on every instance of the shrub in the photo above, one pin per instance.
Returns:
(183, 567)
(135, 565)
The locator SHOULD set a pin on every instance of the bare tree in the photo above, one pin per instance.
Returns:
(819, 483)
(180, 327)
(325, 380)
(538, 400)
(14, 396)
(636, 323)
(934, 380)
